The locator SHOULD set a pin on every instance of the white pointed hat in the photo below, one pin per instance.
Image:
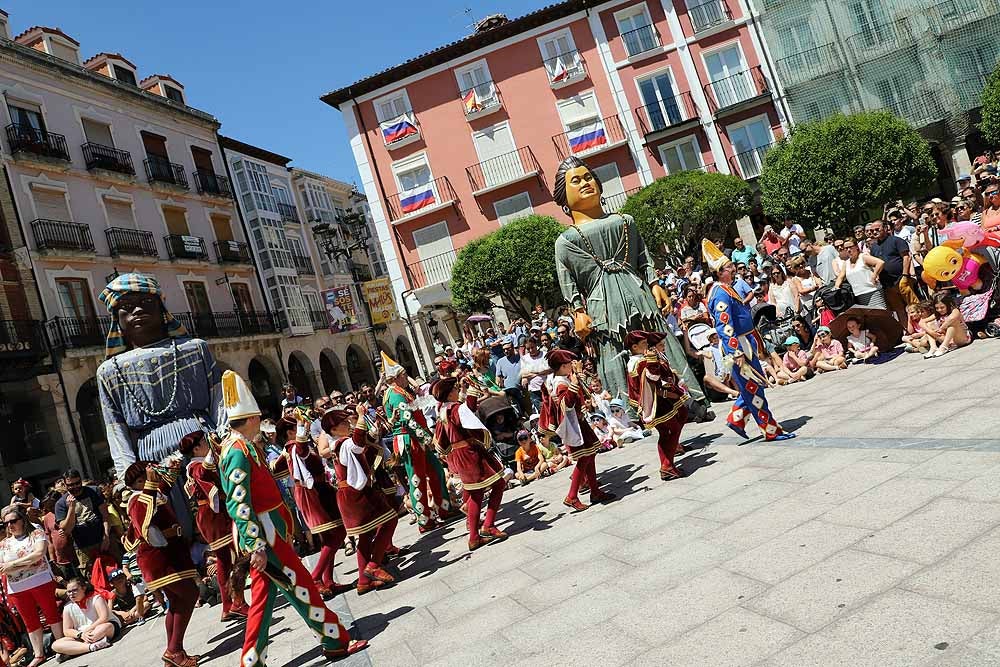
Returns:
(713, 256)
(389, 366)
(237, 398)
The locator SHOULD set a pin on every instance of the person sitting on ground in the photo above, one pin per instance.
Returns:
(529, 460)
(88, 623)
(860, 344)
(555, 460)
(717, 378)
(823, 313)
(947, 328)
(622, 428)
(127, 606)
(915, 338)
(795, 361)
(827, 352)
(599, 423)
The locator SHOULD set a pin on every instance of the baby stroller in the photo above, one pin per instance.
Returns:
(773, 329)
(981, 312)
(499, 416)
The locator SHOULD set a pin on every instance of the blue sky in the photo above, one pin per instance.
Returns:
(260, 67)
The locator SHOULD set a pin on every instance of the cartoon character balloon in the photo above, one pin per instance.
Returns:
(954, 260)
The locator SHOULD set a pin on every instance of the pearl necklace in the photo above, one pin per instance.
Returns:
(149, 411)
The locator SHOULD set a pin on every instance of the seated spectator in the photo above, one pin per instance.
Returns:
(827, 352)
(602, 429)
(795, 361)
(528, 459)
(946, 327)
(717, 377)
(88, 622)
(803, 332)
(823, 315)
(622, 428)
(693, 308)
(915, 338)
(127, 606)
(860, 344)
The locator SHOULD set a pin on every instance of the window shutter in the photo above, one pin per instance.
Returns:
(578, 108)
(51, 204)
(119, 213)
(513, 207)
(176, 221)
(222, 228)
(98, 133)
(65, 52)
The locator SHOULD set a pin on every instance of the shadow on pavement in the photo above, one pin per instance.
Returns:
(795, 423)
(523, 515)
(373, 624)
(689, 464)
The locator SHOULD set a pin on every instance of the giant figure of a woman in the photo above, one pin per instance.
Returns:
(607, 276)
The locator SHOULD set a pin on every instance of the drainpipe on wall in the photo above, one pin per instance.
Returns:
(77, 440)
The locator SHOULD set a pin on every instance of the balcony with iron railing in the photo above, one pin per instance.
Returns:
(734, 92)
(232, 252)
(748, 164)
(640, 40)
(21, 339)
(137, 242)
(161, 170)
(480, 100)
(183, 246)
(670, 114)
(210, 183)
(808, 65)
(60, 235)
(288, 212)
(97, 156)
(953, 15)
(38, 142)
(587, 139)
(435, 270)
(320, 319)
(400, 131)
(919, 110)
(707, 15)
(565, 68)
(303, 265)
(502, 170)
(613, 203)
(877, 40)
(421, 199)
(78, 333)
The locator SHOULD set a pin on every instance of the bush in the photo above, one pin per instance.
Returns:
(990, 124)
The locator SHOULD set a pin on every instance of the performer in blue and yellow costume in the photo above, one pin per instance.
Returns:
(742, 348)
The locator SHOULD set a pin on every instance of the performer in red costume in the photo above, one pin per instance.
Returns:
(363, 507)
(205, 488)
(464, 441)
(655, 391)
(562, 415)
(162, 553)
(314, 496)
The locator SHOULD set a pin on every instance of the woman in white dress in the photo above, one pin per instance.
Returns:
(782, 293)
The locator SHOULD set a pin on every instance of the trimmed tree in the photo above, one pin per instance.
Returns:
(990, 124)
(676, 212)
(828, 171)
(516, 262)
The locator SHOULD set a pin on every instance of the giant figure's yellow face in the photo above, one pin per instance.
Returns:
(942, 263)
(582, 190)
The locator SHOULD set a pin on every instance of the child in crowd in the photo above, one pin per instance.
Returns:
(554, 458)
(599, 423)
(828, 353)
(529, 459)
(946, 326)
(860, 344)
(916, 338)
(795, 362)
(622, 428)
(599, 397)
(823, 313)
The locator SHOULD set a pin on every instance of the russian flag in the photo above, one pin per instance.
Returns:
(587, 137)
(400, 130)
(417, 201)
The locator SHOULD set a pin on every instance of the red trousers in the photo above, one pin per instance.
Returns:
(474, 502)
(669, 442)
(182, 595)
(371, 548)
(332, 540)
(30, 601)
(585, 468)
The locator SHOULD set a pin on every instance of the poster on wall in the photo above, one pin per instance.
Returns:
(340, 310)
(378, 294)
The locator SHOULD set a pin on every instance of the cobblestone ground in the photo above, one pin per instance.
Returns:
(869, 540)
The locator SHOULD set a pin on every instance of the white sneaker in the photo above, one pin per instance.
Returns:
(98, 645)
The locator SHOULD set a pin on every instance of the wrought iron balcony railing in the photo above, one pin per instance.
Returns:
(480, 99)
(210, 183)
(565, 68)
(97, 156)
(748, 163)
(28, 139)
(736, 88)
(123, 241)
(232, 252)
(808, 65)
(642, 39)
(502, 169)
(320, 319)
(590, 137)
(708, 14)
(880, 39)
(953, 15)
(61, 235)
(21, 339)
(417, 199)
(183, 246)
(400, 131)
(613, 203)
(303, 265)
(665, 114)
(161, 170)
(431, 270)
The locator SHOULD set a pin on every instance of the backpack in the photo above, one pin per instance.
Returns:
(836, 299)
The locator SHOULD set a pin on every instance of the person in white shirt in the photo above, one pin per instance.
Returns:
(534, 369)
(793, 233)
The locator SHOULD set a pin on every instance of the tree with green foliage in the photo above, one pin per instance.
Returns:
(516, 262)
(828, 171)
(676, 212)
(990, 124)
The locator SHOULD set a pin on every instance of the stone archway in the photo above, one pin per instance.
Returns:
(404, 356)
(331, 372)
(359, 368)
(92, 429)
(302, 376)
(265, 386)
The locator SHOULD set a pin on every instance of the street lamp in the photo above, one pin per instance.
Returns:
(341, 240)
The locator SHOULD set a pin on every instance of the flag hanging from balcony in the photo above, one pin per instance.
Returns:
(561, 72)
(418, 200)
(471, 102)
(587, 137)
(397, 131)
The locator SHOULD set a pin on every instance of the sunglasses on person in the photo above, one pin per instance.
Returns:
(992, 193)
(823, 334)
(838, 246)
(12, 522)
(777, 273)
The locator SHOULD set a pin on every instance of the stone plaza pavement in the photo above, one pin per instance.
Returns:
(870, 540)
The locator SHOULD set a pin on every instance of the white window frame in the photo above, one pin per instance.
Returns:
(743, 123)
(497, 203)
(578, 70)
(412, 163)
(408, 114)
(743, 59)
(630, 11)
(663, 107)
(662, 148)
(470, 67)
(513, 141)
